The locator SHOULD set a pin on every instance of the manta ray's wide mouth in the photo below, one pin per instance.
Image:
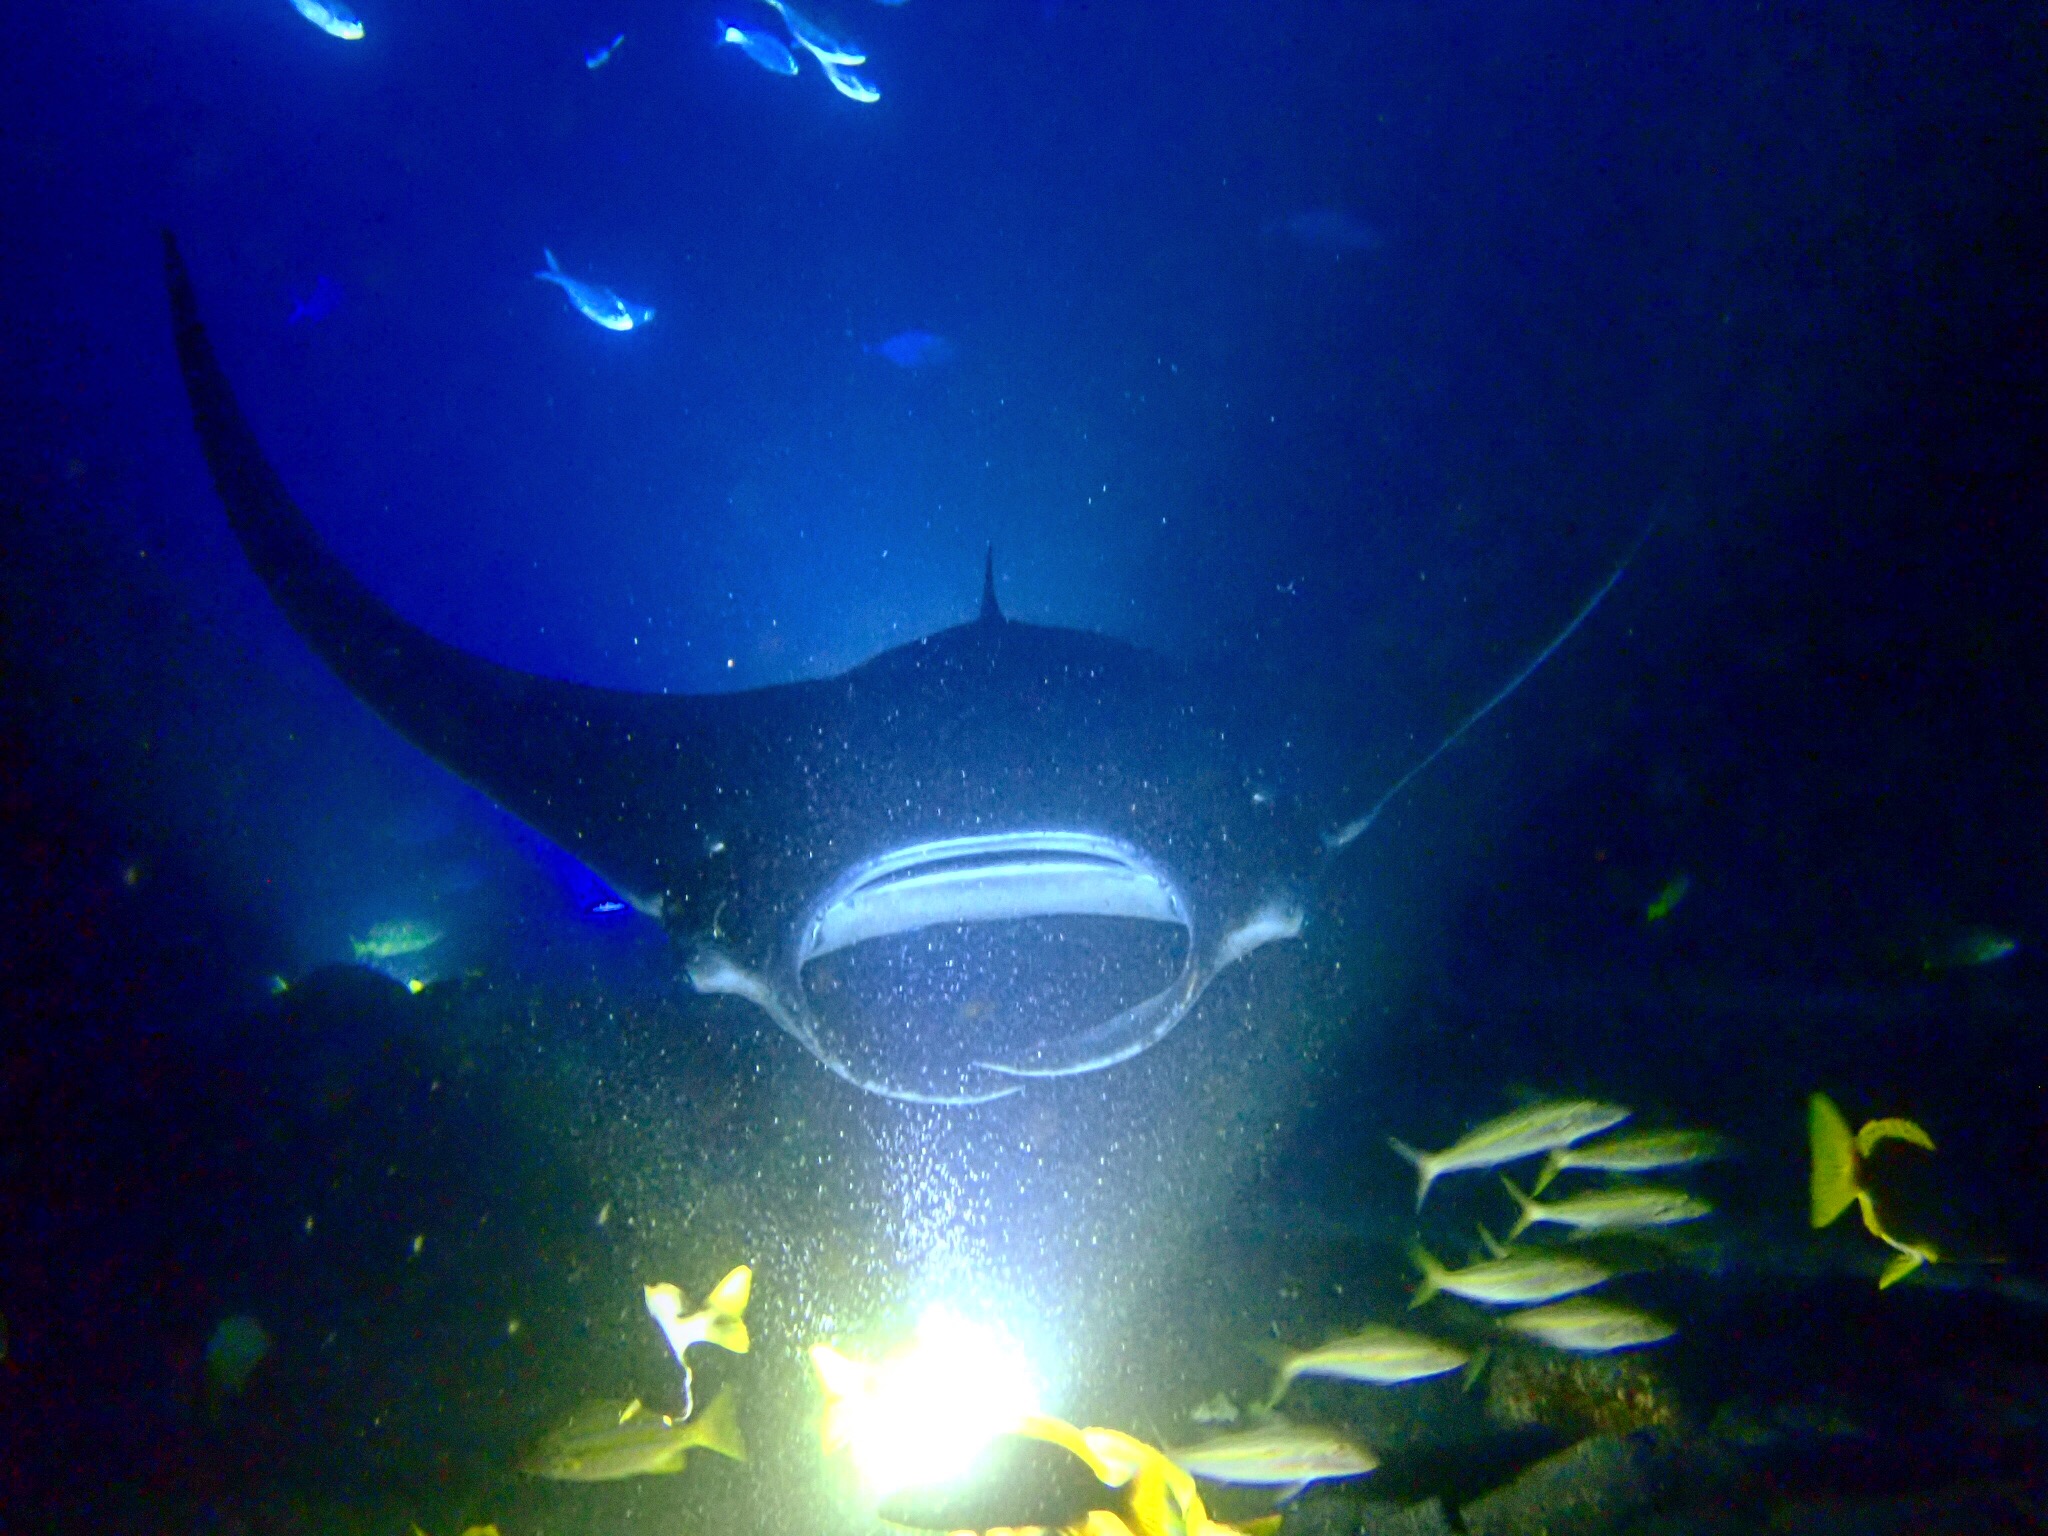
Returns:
(949, 941)
(981, 950)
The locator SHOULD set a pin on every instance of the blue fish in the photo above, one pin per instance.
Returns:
(597, 58)
(766, 51)
(915, 349)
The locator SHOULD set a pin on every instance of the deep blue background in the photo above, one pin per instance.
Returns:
(1774, 272)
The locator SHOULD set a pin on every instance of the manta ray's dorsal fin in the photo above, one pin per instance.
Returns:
(990, 612)
(1343, 836)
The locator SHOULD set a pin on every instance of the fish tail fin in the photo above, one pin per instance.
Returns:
(1834, 1180)
(1525, 1203)
(1892, 1129)
(1425, 1171)
(1283, 1377)
(1910, 1257)
(1432, 1274)
(1475, 1368)
(553, 265)
(1494, 1245)
(717, 1428)
(1553, 1165)
(1902, 1265)
(730, 1295)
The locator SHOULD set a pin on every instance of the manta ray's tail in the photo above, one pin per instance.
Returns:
(1352, 830)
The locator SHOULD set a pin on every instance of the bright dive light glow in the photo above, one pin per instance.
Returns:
(922, 1414)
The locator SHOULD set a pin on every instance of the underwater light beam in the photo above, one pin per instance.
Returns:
(922, 1414)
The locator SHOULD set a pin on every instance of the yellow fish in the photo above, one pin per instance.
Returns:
(1051, 1477)
(1835, 1181)
(721, 1320)
(603, 1441)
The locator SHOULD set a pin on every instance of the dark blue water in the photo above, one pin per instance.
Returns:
(1339, 350)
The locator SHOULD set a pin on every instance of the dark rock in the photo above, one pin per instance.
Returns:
(1976, 1511)
(1338, 1513)
(1581, 1394)
(1597, 1486)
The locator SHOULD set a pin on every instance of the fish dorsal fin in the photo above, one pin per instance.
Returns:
(990, 612)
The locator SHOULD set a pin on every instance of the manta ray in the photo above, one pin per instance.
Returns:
(994, 772)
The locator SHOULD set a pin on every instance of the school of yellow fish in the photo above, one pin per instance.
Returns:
(1043, 1474)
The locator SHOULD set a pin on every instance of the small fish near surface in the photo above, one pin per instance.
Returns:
(853, 87)
(1377, 1354)
(1587, 1325)
(1836, 1179)
(821, 45)
(394, 940)
(1629, 1208)
(915, 349)
(331, 17)
(1634, 1152)
(594, 301)
(1509, 1280)
(1276, 1454)
(766, 51)
(1523, 1133)
(605, 1441)
(601, 55)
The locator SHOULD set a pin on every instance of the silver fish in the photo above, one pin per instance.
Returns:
(1586, 1325)
(1633, 1152)
(766, 51)
(1510, 1280)
(1511, 1137)
(824, 47)
(1275, 1454)
(848, 84)
(594, 301)
(1625, 1209)
(331, 17)
(1378, 1354)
